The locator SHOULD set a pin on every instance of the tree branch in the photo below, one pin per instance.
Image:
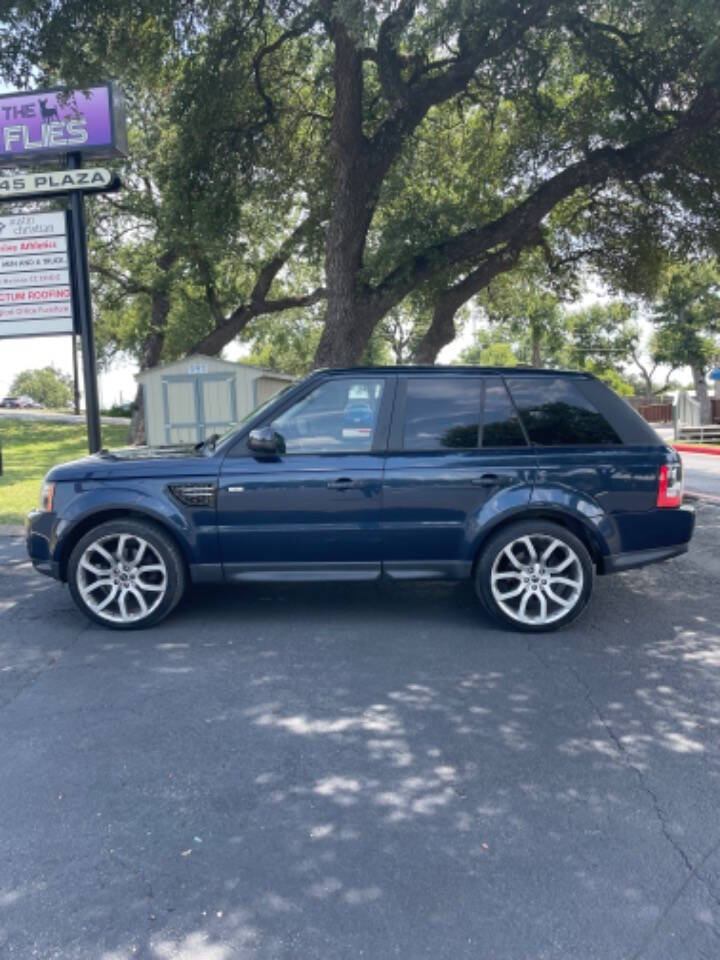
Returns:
(599, 166)
(413, 102)
(447, 303)
(128, 285)
(218, 338)
(228, 327)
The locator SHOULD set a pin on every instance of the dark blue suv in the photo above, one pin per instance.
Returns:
(527, 481)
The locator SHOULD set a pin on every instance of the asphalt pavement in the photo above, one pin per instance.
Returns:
(702, 474)
(348, 771)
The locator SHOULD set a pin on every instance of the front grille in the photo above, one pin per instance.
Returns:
(194, 494)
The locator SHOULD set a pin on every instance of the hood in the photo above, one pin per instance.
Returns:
(136, 462)
(177, 452)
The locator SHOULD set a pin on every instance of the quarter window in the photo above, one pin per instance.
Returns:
(442, 413)
(339, 416)
(556, 413)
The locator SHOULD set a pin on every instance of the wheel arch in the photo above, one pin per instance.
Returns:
(580, 527)
(94, 519)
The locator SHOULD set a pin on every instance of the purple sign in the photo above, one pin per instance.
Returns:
(45, 123)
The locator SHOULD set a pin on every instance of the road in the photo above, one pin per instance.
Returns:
(702, 474)
(56, 417)
(331, 772)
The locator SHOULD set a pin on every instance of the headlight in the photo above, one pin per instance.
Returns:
(47, 494)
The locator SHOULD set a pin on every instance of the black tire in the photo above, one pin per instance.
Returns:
(171, 582)
(543, 586)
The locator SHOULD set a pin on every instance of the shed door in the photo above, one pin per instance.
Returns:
(198, 405)
(218, 403)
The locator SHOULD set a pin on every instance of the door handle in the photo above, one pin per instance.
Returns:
(343, 483)
(491, 480)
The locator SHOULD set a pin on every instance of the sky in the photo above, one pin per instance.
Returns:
(116, 385)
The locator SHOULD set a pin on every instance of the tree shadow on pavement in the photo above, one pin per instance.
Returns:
(354, 770)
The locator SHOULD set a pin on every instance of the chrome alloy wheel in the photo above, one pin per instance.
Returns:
(536, 579)
(121, 577)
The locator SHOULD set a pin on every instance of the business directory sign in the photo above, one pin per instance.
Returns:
(35, 290)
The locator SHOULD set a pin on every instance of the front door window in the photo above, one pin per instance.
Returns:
(339, 416)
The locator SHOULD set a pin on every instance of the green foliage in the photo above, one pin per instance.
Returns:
(498, 354)
(117, 410)
(230, 109)
(687, 315)
(399, 333)
(528, 312)
(47, 385)
(602, 338)
(284, 344)
(620, 383)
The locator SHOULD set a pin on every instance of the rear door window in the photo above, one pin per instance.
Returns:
(501, 424)
(556, 413)
(442, 413)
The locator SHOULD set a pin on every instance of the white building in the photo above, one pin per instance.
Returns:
(192, 398)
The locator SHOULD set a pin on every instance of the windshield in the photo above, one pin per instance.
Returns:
(223, 439)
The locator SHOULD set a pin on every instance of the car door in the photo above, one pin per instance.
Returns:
(457, 454)
(313, 510)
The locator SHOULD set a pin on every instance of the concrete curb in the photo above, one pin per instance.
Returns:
(697, 448)
(11, 530)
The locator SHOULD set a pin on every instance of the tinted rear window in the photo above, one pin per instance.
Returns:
(442, 413)
(501, 425)
(555, 413)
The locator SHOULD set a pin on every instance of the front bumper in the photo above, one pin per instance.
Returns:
(39, 534)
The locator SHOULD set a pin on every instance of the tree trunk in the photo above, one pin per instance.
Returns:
(648, 388)
(701, 392)
(137, 422)
(350, 320)
(441, 331)
(536, 337)
(151, 353)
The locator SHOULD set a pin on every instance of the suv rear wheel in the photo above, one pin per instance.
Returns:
(534, 576)
(126, 574)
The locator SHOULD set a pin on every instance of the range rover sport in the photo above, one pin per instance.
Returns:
(529, 482)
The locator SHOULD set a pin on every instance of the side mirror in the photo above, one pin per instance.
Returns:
(264, 440)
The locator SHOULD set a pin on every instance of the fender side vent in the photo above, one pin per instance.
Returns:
(194, 494)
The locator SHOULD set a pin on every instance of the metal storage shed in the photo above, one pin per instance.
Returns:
(188, 400)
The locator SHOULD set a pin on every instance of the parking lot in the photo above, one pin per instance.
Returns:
(332, 771)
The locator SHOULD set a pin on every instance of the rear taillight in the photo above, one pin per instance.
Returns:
(670, 485)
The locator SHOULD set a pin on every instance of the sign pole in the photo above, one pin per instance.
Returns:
(84, 310)
(76, 381)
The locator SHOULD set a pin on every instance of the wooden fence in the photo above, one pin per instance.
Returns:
(656, 412)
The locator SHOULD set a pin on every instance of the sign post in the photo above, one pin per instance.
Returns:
(44, 275)
(83, 310)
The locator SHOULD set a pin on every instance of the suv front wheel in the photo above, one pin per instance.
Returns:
(534, 576)
(126, 574)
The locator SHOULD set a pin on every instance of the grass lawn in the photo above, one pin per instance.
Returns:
(30, 448)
